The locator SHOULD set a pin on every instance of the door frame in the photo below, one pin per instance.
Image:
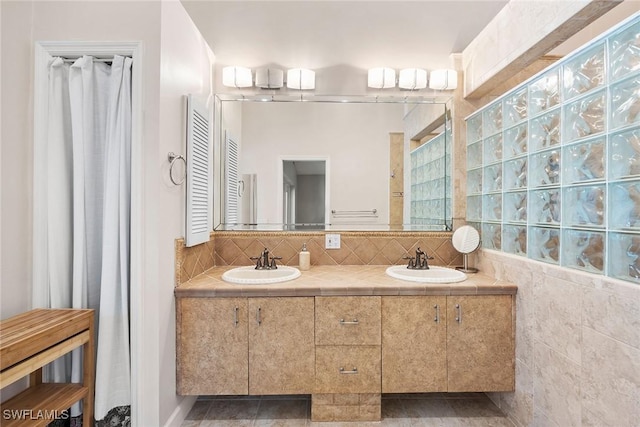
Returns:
(142, 355)
(280, 183)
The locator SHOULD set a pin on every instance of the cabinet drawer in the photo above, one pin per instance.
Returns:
(347, 320)
(348, 369)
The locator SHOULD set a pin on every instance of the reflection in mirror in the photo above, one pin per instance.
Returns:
(329, 163)
(304, 184)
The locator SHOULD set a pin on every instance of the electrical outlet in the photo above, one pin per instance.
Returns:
(332, 241)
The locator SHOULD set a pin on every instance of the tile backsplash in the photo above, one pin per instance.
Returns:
(189, 262)
(234, 248)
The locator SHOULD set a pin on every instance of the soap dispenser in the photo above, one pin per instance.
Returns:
(304, 261)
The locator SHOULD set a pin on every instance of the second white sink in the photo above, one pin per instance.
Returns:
(433, 275)
(250, 276)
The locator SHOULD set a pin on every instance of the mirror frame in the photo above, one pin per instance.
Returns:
(414, 100)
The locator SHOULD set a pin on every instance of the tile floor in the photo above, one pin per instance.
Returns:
(424, 410)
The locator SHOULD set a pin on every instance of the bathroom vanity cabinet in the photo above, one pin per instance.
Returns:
(348, 347)
(348, 344)
(414, 340)
(480, 343)
(239, 346)
(281, 347)
(456, 343)
(212, 346)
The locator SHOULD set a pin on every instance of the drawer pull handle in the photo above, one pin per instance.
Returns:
(347, 322)
(459, 313)
(258, 315)
(437, 309)
(353, 371)
(235, 316)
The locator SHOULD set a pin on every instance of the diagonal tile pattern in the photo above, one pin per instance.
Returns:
(357, 248)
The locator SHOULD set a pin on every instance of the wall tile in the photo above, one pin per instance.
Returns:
(540, 419)
(595, 388)
(519, 404)
(190, 262)
(614, 310)
(610, 381)
(556, 385)
(357, 248)
(525, 317)
(557, 307)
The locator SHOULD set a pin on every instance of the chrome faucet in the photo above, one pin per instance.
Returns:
(419, 262)
(263, 262)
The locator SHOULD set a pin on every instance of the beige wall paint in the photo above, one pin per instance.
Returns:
(176, 61)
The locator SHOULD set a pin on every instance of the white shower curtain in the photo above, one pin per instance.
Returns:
(88, 211)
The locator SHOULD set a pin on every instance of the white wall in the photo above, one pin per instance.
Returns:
(185, 67)
(16, 149)
(24, 23)
(355, 137)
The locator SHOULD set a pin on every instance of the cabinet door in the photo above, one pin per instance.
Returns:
(480, 343)
(281, 345)
(212, 346)
(414, 339)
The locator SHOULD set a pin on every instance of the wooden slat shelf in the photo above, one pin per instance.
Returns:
(38, 405)
(33, 339)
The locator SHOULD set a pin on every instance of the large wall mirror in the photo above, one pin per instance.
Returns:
(332, 163)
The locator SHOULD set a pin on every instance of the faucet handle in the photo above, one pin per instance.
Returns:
(411, 259)
(258, 260)
(273, 261)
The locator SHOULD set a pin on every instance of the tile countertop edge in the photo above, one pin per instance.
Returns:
(343, 280)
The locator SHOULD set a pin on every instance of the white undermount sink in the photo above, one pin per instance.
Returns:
(250, 276)
(433, 275)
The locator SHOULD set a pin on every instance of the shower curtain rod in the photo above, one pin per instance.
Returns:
(94, 59)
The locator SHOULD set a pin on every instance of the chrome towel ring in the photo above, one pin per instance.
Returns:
(173, 158)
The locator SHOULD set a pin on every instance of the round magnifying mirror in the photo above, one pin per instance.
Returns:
(466, 240)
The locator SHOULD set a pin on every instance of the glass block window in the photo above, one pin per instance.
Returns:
(431, 182)
(553, 166)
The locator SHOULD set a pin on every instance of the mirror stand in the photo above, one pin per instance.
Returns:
(465, 265)
(465, 240)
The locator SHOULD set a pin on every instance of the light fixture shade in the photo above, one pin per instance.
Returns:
(236, 77)
(269, 78)
(301, 78)
(412, 78)
(381, 78)
(443, 79)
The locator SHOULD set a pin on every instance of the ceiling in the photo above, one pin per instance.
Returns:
(355, 34)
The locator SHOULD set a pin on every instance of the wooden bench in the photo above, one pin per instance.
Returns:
(33, 339)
